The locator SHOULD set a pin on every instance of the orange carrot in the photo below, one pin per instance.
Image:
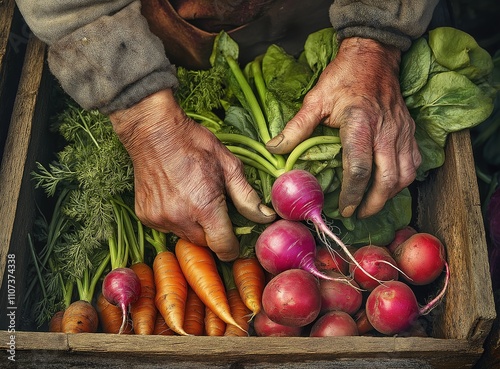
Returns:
(171, 290)
(250, 280)
(161, 327)
(110, 317)
(143, 311)
(199, 268)
(240, 313)
(214, 326)
(80, 317)
(195, 314)
(239, 310)
(55, 324)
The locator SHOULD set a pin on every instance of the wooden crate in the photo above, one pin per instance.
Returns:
(448, 206)
(13, 39)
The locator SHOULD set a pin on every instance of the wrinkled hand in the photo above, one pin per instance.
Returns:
(182, 175)
(359, 93)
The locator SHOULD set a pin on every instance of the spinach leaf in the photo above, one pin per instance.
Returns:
(320, 49)
(415, 67)
(378, 229)
(459, 51)
(449, 102)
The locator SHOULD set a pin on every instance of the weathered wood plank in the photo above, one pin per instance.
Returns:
(397, 352)
(12, 46)
(17, 145)
(6, 15)
(450, 208)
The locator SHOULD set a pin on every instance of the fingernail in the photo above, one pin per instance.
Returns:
(276, 141)
(348, 211)
(267, 211)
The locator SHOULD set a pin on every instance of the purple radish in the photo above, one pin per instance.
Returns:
(297, 195)
(121, 287)
(286, 244)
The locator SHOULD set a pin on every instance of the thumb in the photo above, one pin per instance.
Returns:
(299, 128)
(247, 201)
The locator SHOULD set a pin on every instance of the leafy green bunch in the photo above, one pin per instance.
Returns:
(92, 171)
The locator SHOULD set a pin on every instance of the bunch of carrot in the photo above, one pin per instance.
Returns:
(186, 291)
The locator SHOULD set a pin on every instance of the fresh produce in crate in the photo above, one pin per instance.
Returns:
(292, 298)
(378, 262)
(333, 324)
(244, 108)
(265, 327)
(421, 258)
(340, 293)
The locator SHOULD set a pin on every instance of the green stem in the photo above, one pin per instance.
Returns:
(305, 145)
(134, 251)
(253, 103)
(68, 292)
(97, 276)
(260, 84)
(139, 239)
(121, 255)
(37, 267)
(158, 240)
(266, 186)
(56, 226)
(251, 143)
(200, 117)
(86, 128)
(257, 164)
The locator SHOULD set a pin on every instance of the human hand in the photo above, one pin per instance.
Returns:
(359, 93)
(183, 174)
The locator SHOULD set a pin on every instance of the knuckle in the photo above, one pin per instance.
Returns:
(358, 172)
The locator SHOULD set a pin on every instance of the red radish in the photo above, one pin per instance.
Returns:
(421, 258)
(121, 287)
(362, 322)
(265, 327)
(334, 323)
(377, 261)
(341, 294)
(297, 195)
(292, 298)
(329, 260)
(286, 244)
(392, 307)
(401, 236)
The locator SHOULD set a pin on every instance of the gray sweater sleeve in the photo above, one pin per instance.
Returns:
(102, 52)
(393, 22)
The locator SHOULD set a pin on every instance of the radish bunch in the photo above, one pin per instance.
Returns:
(298, 302)
(322, 290)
